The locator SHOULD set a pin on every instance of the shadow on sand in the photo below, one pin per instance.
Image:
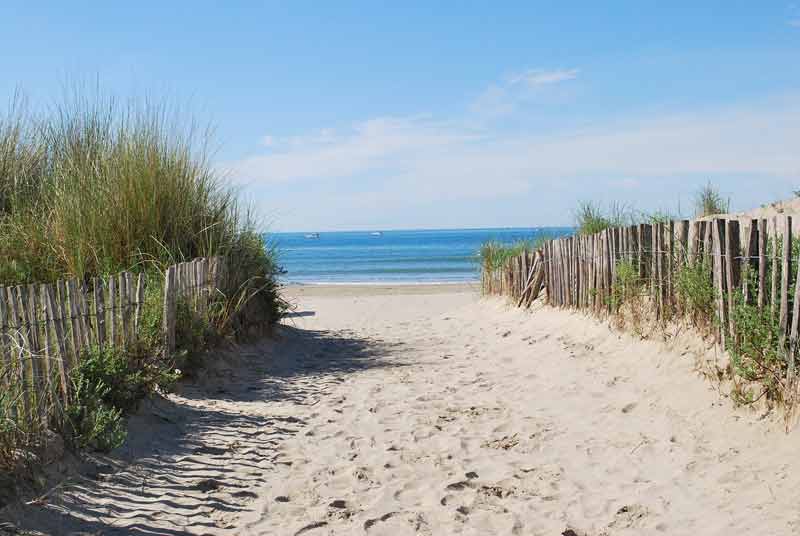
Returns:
(194, 461)
(301, 314)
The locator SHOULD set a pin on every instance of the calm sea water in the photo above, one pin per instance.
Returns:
(434, 256)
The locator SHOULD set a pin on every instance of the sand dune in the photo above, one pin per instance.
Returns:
(435, 412)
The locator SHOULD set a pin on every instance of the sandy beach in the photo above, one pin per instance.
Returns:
(431, 411)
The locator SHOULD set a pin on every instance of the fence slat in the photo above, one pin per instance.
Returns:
(169, 308)
(122, 305)
(762, 263)
(21, 346)
(53, 313)
(140, 288)
(732, 250)
(99, 311)
(718, 234)
(84, 321)
(29, 360)
(37, 371)
(775, 268)
(62, 319)
(46, 340)
(30, 307)
(786, 252)
(113, 330)
(72, 316)
(5, 342)
(749, 264)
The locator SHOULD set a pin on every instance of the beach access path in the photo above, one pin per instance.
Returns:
(428, 410)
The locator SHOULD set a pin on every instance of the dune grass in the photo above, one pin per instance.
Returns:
(708, 201)
(93, 187)
(493, 256)
(591, 217)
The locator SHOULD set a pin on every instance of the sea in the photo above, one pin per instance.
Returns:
(392, 257)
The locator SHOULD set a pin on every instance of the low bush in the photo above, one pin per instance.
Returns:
(106, 385)
(629, 301)
(696, 295)
(758, 360)
(627, 284)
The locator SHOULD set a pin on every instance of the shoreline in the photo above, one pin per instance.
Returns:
(377, 289)
(378, 283)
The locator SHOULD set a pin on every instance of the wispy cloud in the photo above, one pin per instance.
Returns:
(504, 97)
(370, 145)
(753, 140)
(401, 167)
(537, 77)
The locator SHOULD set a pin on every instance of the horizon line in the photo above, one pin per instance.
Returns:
(386, 230)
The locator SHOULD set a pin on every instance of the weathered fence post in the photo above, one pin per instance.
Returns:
(169, 309)
(732, 248)
(785, 272)
(718, 233)
(762, 263)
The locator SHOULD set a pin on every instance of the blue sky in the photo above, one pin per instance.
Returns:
(345, 115)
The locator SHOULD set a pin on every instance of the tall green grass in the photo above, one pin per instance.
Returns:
(591, 217)
(708, 201)
(494, 255)
(94, 187)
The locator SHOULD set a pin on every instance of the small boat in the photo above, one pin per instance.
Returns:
(312, 236)
(376, 233)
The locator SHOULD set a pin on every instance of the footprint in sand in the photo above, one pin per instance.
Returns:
(504, 443)
(458, 486)
(629, 516)
(312, 526)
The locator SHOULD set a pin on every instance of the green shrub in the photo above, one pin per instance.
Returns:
(92, 422)
(757, 356)
(627, 284)
(696, 294)
(107, 384)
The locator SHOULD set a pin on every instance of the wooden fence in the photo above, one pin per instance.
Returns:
(45, 328)
(581, 271)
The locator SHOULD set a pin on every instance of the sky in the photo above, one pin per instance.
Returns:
(377, 115)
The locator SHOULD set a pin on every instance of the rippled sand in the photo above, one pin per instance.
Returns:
(434, 412)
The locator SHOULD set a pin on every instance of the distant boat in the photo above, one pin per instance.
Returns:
(376, 233)
(312, 236)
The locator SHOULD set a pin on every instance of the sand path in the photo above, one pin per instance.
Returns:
(389, 413)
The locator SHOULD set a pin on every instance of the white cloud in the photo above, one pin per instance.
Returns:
(368, 145)
(399, 171)
(503, 98)
(441, 157)
(537, 77)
